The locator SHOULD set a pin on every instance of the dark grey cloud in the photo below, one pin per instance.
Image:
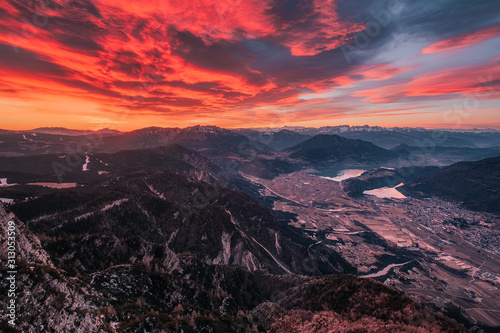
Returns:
(222, 55)
(290, 12)
(27, 62)
(432, 20)
(447, 18)
(71, 24)
(277, 61)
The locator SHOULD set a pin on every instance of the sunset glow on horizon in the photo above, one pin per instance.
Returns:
(91, 64)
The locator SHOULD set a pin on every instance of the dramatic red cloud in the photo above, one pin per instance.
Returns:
(133, 60)
(327, 32)
(462, 40)
(213, 20)
(127, 64)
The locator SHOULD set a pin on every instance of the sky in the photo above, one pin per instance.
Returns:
(90, 64)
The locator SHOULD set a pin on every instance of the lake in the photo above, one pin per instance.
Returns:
(386, 192)
(345, 174)
(55, 185)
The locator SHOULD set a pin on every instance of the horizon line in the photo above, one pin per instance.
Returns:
(256, 128)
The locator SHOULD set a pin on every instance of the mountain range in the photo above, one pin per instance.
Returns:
(168, 229)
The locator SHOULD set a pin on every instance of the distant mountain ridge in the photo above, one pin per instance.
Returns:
(239, 141)
(390, 137)
(442, 155)
(71, 132)
(208, 140)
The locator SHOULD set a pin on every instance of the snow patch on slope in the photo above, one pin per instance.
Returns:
(113, 204)
(225, 254)
(152, 189)
(85, 167)
(83, 216)
(278, 246)
(231, 216)
(247, 260)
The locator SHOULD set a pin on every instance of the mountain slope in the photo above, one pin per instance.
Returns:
(150, 137)
(147, 288)
(216, 223)
(439, 155)
(142, 293)
(475, 184)
(81, 168)
(334, 148)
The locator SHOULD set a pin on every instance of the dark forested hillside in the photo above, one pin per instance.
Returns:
(334, 148)
(475, 184)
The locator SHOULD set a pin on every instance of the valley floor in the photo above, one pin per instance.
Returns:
(417, 246)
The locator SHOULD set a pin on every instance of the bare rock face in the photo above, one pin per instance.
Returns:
(28, 247)
(45, 300)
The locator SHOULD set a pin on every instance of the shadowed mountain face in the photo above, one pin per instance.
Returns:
(475, 184)
(185, 207)
(80, 167)
(268, 168)
(208, 140)
(322, 149)
(214, 141)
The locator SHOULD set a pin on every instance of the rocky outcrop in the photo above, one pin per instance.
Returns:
(45, 300)
(28, 247)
